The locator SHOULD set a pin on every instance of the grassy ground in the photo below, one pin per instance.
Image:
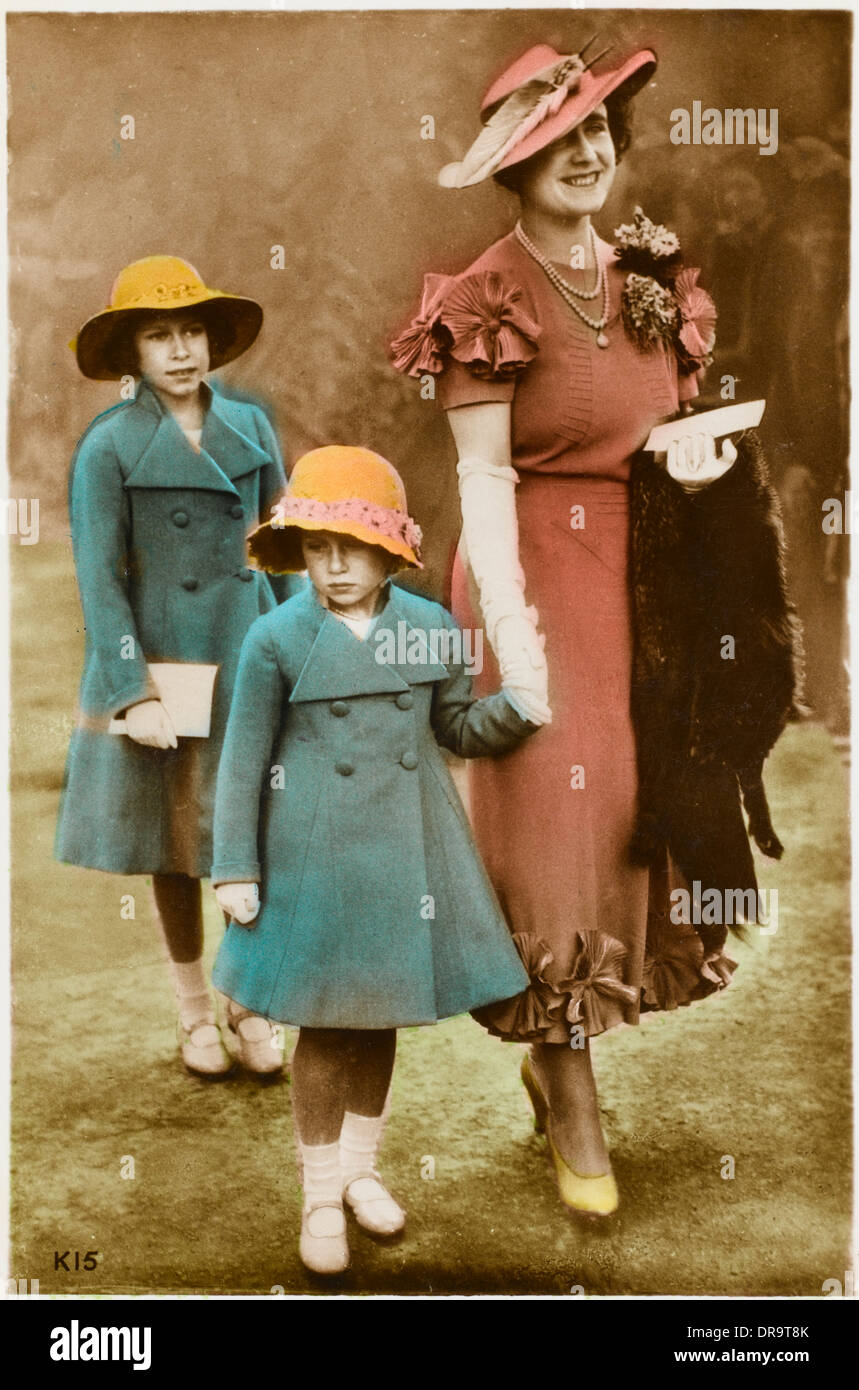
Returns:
(760, 1073)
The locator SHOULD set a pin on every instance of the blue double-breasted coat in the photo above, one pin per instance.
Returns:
(333, 794)
(159, 543)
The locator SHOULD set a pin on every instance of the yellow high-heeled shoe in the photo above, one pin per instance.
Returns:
(535, 1095)
(589, 1196)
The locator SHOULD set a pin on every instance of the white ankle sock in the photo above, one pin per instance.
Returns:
(360, 1138)
(374, 1206)
(192, 992)
(321, 1166)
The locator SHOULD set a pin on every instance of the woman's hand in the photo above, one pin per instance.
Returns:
(149, 723)
(520, 650)
(692, 462)
(240, 901)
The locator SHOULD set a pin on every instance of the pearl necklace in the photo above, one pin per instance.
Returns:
(581, 294)
(566, 291)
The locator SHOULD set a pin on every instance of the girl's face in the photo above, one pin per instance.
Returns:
(571, 178)
(173, 353)
(345, 571)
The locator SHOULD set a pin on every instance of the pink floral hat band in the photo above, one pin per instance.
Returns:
(385, 521)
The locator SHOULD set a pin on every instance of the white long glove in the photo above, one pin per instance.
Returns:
(239, 900)
(491, 535)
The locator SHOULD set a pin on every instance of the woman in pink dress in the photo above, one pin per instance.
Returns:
(600, 576)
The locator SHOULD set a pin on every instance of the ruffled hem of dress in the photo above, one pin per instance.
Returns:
(585, 997)
(475, 319)
(591, 996)
(677, 968)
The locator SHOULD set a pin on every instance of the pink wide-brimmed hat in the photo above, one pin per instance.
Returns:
(535, 101)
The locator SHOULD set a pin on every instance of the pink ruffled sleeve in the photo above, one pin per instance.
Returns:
(697, 335)
(473, 333)
(420, 347)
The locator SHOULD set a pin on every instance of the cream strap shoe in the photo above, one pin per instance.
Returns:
(253, 1042)
(372, 1205)
(203, 1049)
(323, 1246)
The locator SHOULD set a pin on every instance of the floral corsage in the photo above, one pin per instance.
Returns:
(662, 301)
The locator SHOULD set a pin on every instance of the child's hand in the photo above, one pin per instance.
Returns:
(522, 662)
(150, 723)
(239, 901)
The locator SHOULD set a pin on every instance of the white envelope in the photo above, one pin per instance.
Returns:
(728, 419)
(185, 689)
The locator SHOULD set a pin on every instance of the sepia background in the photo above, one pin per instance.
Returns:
(303, 131)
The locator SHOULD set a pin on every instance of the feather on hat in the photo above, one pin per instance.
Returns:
(541, 97)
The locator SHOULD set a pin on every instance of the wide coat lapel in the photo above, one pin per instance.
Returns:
(409, 649)
(225, 442)
(159, 455)
(339, 664)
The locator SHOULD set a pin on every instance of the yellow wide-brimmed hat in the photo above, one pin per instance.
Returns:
(340, 488)
(164, 283)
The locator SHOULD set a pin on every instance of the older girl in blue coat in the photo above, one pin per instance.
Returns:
(340, 839)
(163, 490)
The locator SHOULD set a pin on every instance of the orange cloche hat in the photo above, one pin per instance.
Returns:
(340, 488)
(164, 283)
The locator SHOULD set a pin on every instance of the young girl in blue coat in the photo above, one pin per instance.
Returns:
(163, 490)
(339, 836)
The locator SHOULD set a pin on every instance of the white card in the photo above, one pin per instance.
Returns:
(746, 415)
(185, 690)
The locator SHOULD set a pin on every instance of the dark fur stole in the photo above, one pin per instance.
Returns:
(716, 666)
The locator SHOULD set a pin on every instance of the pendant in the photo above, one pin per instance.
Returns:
(602, 340)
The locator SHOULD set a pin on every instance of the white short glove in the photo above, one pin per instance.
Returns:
(239, 900)
(491, 546)
(149, 723)
(692, 461)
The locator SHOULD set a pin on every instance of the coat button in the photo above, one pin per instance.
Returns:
(409, 761)
(180, 518)
(345, 769)
(237, 511)
(339, 708)
(405, 701)
(190, 584)
(247, 575)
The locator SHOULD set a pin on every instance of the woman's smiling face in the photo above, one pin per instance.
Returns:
(571, 178)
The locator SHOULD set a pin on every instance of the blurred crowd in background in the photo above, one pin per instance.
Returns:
(304, 131)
